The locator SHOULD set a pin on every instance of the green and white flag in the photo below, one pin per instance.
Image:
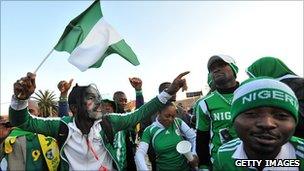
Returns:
(90, 39)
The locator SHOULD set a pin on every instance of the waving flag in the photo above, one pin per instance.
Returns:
(90, 39)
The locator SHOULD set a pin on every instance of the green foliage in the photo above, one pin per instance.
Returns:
(47, 103)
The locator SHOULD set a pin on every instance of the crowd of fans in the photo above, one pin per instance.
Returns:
(261, 118)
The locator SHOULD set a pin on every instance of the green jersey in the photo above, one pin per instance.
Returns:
(164, 141)
(230, 153)
(119, 145)
(213, 114)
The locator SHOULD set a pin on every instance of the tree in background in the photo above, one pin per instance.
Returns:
(47, 103)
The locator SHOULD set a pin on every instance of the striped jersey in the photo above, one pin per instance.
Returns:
(213, 114)
(164, 141)
(228, 154)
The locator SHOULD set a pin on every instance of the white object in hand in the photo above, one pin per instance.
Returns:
(184, 147)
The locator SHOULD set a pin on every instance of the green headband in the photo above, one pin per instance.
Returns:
(263, 92)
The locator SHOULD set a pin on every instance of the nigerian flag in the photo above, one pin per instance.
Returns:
(90, 39)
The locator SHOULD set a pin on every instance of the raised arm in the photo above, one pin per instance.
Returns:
(125, 121)
(63, 107)
(19, 115)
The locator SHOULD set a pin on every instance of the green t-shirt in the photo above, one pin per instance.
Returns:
(164, 141)
(224, 159)
(213, 114)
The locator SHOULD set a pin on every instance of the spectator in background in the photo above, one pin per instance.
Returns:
(119, 141)
(278, 70)
(64, 87)
(5, 128)
(33, 108)
(164, 134)
(213, 119)
(23, 150)
(265, 113)
(121, 99)
(125, 140)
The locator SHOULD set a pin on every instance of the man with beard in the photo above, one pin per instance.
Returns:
(213, 120)
(265, 113)
(84, 138)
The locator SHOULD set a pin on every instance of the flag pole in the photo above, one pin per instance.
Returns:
(47, 56)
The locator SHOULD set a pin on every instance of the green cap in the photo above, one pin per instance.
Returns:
(229, 60)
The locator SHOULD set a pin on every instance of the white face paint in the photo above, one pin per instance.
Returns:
(92, 101)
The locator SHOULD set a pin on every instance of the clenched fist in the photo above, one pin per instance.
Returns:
(136, 83)
(64, 86)
(25, 87)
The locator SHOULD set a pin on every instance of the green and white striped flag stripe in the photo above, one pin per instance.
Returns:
(90, 39)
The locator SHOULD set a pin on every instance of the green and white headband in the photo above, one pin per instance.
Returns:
(264, 92)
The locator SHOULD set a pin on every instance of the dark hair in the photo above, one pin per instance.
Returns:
(76, 99)
(117, 93)
(168, 104)
(163, 86)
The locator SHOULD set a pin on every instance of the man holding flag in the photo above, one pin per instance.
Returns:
(86, 138)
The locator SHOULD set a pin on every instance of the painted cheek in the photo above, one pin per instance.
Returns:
(287, 128)
(90, 104)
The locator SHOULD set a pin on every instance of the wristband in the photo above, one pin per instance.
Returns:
(63, 99)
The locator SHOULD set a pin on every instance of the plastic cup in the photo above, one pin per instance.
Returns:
(184, 147)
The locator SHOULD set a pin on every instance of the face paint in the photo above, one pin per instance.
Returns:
(92, 101)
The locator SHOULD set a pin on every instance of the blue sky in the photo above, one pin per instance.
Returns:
(168, 37)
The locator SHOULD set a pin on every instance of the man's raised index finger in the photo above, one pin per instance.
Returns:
(183, 74)
(71, 81)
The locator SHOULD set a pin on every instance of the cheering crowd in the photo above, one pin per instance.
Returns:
(261, 118)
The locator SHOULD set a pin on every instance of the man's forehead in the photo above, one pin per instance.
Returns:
(218, 61)
(122, 96)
